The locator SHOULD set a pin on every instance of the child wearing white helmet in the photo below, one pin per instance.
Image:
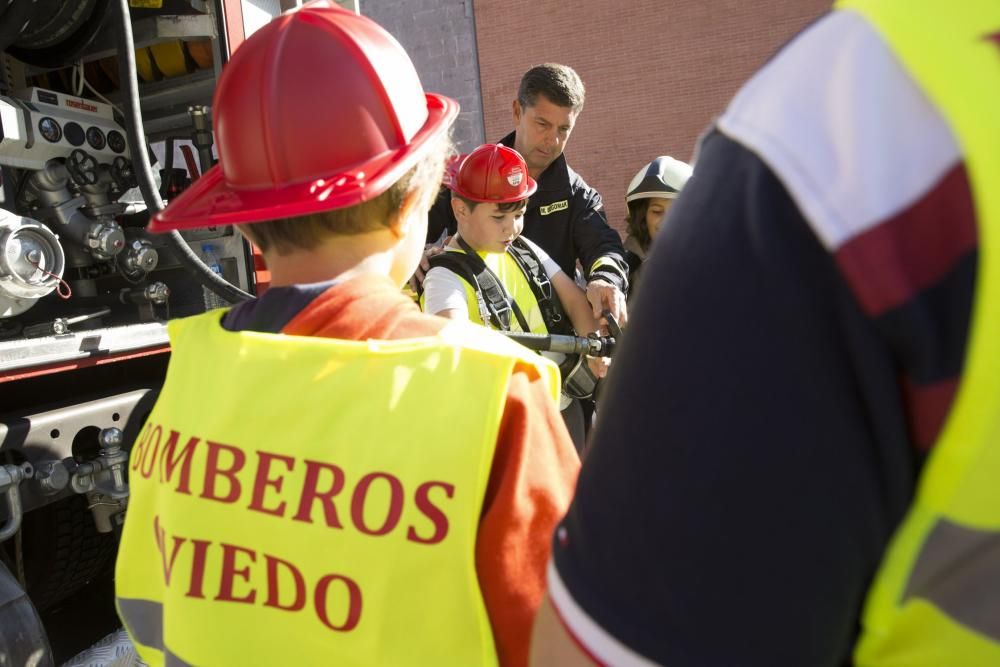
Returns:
(649, 197)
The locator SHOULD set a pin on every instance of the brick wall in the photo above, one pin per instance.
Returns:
(440, 37)
(656, 71)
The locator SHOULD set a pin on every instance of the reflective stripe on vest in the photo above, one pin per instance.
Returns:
(936, 599)
(315, 501)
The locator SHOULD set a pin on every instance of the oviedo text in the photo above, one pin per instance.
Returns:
(323, 494)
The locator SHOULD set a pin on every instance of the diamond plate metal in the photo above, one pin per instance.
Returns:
(115, 650)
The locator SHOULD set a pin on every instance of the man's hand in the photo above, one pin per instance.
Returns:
(603, 295)
(433, 249)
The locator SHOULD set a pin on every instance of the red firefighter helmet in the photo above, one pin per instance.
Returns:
(493, 173)
(320, 109)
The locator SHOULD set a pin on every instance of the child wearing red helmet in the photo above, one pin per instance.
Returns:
(330, 476)
(492, 275)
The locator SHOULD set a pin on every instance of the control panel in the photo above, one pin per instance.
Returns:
(40, 125)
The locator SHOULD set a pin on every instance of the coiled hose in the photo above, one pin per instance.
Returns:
(144, 172)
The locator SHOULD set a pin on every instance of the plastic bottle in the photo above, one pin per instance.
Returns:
(212, 300)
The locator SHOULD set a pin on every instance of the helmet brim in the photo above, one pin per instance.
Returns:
(210, 201)
(531, 189)
(652, 194)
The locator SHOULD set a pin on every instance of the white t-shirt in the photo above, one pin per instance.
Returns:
(444, 290)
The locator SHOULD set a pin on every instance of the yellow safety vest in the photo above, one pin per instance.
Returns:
(311, 501)
(517, 286)
(936, 599)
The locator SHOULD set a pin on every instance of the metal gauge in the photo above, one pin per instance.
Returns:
(74, 133)
(49, 129)
(116, 140)
(96, 138)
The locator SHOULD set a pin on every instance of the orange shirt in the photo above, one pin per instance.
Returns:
(534, 466)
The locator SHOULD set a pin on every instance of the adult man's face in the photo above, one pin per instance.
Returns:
(542, 131)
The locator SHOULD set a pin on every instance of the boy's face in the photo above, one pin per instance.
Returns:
(487, 228)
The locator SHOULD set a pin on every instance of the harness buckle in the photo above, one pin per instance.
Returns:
(484, 312)
(503, 314)
(544, 284)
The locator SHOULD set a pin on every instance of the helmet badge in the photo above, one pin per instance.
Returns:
(515, 176)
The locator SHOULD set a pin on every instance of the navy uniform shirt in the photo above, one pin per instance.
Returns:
(791, 358)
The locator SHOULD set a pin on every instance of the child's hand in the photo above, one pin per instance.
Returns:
(599, 366)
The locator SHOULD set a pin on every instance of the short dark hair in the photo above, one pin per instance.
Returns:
(560, 84)
(506, 207)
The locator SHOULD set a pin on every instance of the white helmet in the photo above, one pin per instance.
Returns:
(663, 177)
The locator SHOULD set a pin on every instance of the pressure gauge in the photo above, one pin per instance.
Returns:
(116, 140)
(74, 133)
(49, 129)
(96, 138)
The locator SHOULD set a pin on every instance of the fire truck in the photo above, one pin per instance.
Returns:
(105, 112)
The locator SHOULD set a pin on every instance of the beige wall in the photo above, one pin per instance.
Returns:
(656, 71)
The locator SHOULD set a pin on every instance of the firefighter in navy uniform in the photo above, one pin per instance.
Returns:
(565, 217)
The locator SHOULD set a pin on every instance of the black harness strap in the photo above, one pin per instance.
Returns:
(495, 305)
(548, 302)
(493, 298)
(578, 380)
